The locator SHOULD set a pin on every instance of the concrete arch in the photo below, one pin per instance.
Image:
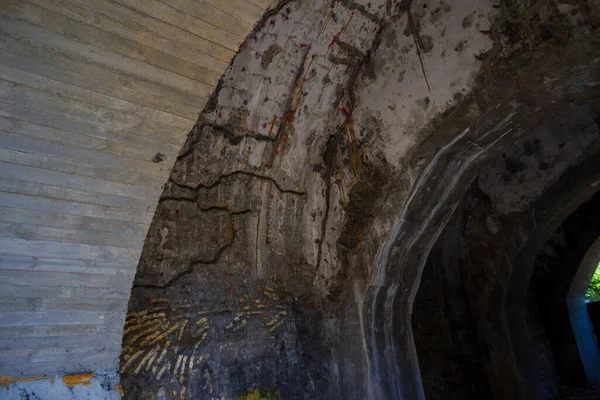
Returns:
(580, 320)
(96, 100)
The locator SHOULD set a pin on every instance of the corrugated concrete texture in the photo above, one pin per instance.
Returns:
(90, 92)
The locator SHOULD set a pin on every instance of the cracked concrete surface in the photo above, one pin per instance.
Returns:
(299, 215)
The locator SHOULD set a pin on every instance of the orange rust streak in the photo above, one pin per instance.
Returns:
(354, 152)
(418, 45)
(256, 244)
(346, 26)
(538, 34)
(288, 119)
(268, 212)
(262, 162)
(230, 275)
(325, 23)
(7, 380)
(84, 379)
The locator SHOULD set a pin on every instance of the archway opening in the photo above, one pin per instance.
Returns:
(592, 299)
(464, 313)
(592, 294)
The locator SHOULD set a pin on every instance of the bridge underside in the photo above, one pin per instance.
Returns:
(375, 199)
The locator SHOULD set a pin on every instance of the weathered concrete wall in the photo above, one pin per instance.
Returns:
(96, 100)
(512, 207)
(289, 241)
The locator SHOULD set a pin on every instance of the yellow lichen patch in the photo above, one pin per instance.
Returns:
(84, 379)
(119, 388)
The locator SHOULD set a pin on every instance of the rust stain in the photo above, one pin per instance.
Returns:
(354, 151)
(269, 197)
(418, 45)
(230, 278)
(329, 15)
(289, 117)
(256, 244)
(84, 379)
(538, 33)
(262, 162)
(119, 388)
(7, 380)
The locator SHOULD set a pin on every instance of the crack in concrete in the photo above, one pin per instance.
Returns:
(199, 261)
(239, 172)
(212, 207)
(228, 132)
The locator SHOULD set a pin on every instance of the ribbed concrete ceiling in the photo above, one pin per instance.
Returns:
(90, 93)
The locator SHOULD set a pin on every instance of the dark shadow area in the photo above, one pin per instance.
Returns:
(444, 331)
(562, 320)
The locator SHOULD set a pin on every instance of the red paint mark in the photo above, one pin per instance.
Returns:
(249, 147)
(272, 196)
(344, 111)
(219, 114)
(270, 10)
(352, 13)
(292, 71)
(369, 5)
(293, 201)
(374, 29)
(272, 22)
(302, 45)
(197, 157)
(333, 5)
(264, 125)
(244, 44)
(177, 211)
(161, 274)
(283, 179)
(331, 44)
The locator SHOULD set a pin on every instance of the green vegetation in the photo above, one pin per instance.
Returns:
(593, 291)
